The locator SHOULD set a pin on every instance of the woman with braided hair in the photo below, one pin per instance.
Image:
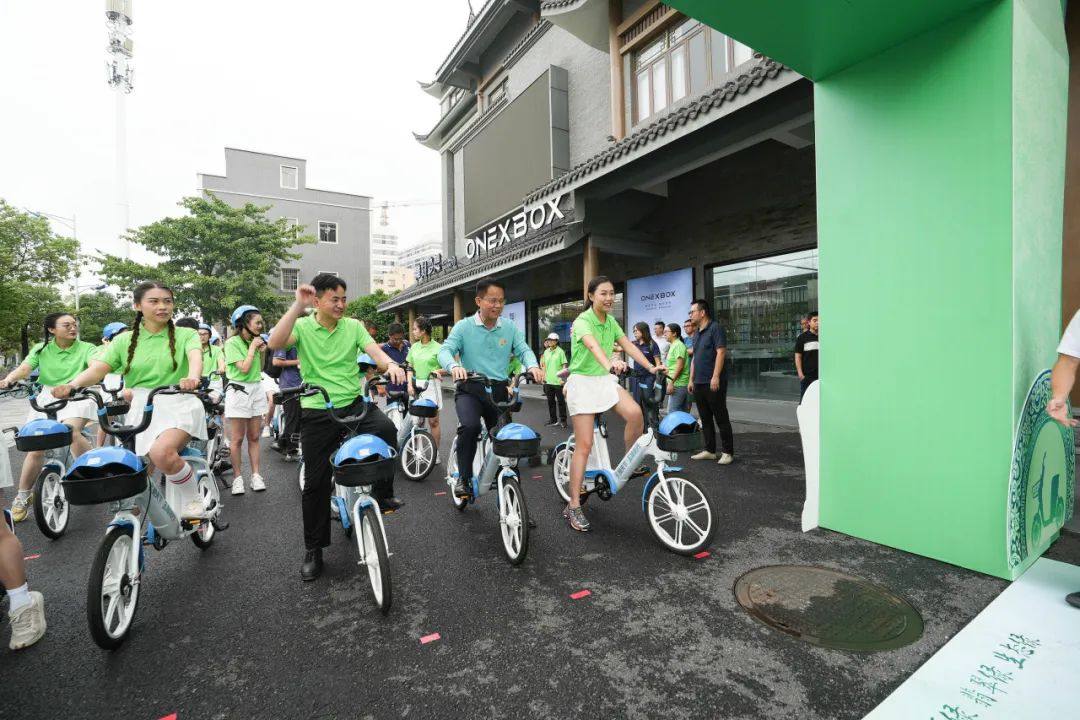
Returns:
(153, 354)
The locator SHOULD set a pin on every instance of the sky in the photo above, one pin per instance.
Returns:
(332, 81)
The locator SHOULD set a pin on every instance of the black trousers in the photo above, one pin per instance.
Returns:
(803, 384)
(473, 404)
(290, 410)
(320, 437)
(555, 398)
(712, 404)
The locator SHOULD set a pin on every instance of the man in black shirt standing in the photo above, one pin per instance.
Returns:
(806, 354)
(709, 376)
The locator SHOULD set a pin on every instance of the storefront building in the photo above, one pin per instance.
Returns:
(646, 147)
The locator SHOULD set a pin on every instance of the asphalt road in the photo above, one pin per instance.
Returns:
(232, 632)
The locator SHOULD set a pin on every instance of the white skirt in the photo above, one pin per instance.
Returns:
(85, 409)
(433, 392)
(183, 412)
(591, 394)
(251, 403)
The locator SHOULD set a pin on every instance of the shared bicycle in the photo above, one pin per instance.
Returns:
(680, 514)
(416, 445)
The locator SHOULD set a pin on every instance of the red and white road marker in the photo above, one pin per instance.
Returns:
(702, 555)
(32, 557)
(440, 493)
(171, 716)
(580, 594)
(538, 477)
(430, 638)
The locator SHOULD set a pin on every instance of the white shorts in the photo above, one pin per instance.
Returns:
(269, 384)
(182, 412)
(248, 404)
(85, 409)
(591, 394)
(433, 392)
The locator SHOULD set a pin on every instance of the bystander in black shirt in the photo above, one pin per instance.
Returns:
(706, 343)
(807, 344)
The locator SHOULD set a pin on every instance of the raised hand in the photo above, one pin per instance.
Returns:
(305, 295)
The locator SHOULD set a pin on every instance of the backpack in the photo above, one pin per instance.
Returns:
(269, 367)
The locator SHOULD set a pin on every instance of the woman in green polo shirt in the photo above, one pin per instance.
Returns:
(679, 362)
(157, 353)
(423, 360)
(592, 389)
(245, 399)
(213, 359)
(58, 358)
(553, 362)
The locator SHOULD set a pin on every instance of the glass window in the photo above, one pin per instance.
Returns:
(651, 52)
(558, 317)
(699, 63)
(290, 278)
(740, 53)
(684, 29)
(642, 96)
(678, 73)
(760, 304)
(327, 231)
(659, 85)
(289, 177)
(719, 52)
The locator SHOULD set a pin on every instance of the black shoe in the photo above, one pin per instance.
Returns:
(312, 567)
(461, 488)
(642, 471)
(391, 504)
(1073, 599)
(553, 423)
(563, 424)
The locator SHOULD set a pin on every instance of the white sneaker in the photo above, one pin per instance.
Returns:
(266, 431)
(238, 485)
(703, 455)
(257, 483)
(725, 459)
(28, 622)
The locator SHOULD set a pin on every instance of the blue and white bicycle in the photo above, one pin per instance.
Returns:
(680, 514)
(141, 515)
(416, 445)
(359, 464)
(495, 468)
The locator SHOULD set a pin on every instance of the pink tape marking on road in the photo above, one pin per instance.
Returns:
(580, 594)
(538, 477)
(32, 557)
(430, 638)
(702, 555)
(440, 493)
(169, 717)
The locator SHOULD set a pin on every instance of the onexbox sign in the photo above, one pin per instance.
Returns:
(664, 297)
(515, 227)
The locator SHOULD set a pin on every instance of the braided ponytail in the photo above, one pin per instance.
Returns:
(172, 343)
(134, 338)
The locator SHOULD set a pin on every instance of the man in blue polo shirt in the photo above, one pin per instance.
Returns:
(482, 343)
(708, 373)
(397, 349)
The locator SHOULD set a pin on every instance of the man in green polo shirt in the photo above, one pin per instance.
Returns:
(327, 343)
(485, 343)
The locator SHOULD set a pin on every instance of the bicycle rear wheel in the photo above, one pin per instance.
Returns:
(373, 554)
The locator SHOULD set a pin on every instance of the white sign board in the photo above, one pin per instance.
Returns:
(515, 313)
(664, 297)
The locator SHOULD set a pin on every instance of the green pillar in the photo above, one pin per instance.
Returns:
(940, 177)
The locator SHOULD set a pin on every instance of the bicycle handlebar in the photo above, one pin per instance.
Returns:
(513, 400)
(125, 431)
(306, 390)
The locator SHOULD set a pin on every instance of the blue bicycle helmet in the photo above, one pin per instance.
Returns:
(106, 461)
(238, 313)
(207, 328)
(678, 423)
(105, 474)
(516, 441)
(215, 339)
(43, 434)
(679, 432)
(112, 330)
(363, 461)
(365, 362)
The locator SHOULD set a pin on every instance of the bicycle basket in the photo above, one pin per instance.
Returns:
(516, 441)
(116, 408)
(424, 408)
(363, 461)
(43, 434)
(104, 475)
(679, 432)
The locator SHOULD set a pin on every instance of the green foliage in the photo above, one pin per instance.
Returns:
(32, 260)
(96, 310)
(214, 258)
(366, 308)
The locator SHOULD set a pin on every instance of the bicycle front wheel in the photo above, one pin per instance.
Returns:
(112, 594)
(373, 555)
(681, 515)
(418, 455)
(513, 521)
(51, 509)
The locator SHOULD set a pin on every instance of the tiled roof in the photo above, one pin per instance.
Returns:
(564, 234)
(762, 69)
(533, 33)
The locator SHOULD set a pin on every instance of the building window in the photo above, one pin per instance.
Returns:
(290, 279)
(327, 232)
(290, 177)
(683, 61)
(760, 305)
(496, 94)
(294, 225)
(450, 100)
(329, 272)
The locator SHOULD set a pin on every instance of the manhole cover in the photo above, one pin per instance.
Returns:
(828, 608)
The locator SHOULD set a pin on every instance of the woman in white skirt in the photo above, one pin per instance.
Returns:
(59, 358)
(423, 360)
(246, 402)
(592, 389)
(156, 353)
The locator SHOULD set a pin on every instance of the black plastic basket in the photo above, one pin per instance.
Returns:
(116, 408)
(683, 442)
(48, 441)
(423, 411)
(516, 448)
(364, 474)
(93, 486)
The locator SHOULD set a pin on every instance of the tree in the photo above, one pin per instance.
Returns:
(33, 259)
(215, 258)
(96, 310)
(366, 308)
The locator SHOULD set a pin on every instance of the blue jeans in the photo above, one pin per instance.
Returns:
(679, 400)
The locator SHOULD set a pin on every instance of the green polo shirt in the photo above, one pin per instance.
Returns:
(424, 359)
(236, 350)
(605, 333)
(485, 351)
(210, 355)
(151, 365)
(676, 351)
(554, 358)
(328, 359)
(57, 365)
